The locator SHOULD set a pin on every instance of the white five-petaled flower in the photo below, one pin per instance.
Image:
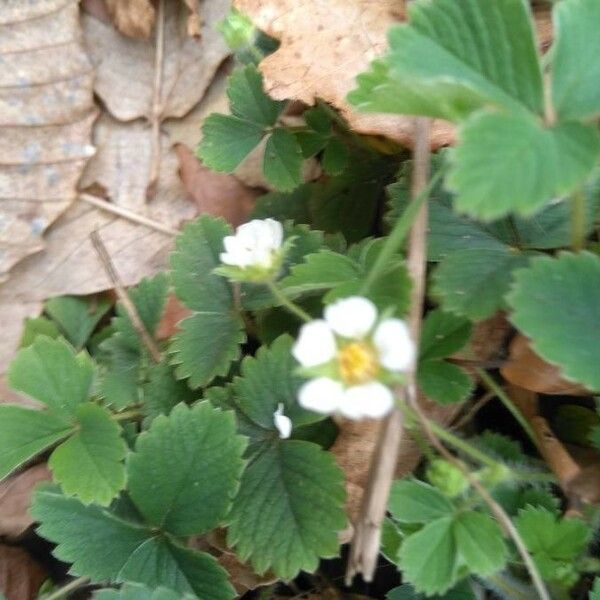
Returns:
(352, 357)
(282, 423)
(255, 244)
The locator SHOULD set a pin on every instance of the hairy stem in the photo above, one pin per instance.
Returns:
(287, 303)
(67, 589)
(578, 220)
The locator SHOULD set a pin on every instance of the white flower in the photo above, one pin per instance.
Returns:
(282, 423)
(255, 244)
(350, 356)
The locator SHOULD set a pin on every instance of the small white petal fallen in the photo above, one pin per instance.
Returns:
(351, 317)
(315, 344)
(394, 345)
(282, 423)
(322, 395)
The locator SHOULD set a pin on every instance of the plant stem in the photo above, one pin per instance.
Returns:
(399, 232)
(287, 303)
(578, 220)
(127, 414)
(508, 403)
(70, 587)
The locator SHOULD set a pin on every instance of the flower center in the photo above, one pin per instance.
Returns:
(358, 363)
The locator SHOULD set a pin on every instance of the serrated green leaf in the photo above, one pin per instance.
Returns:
(77, 317)
(413, 501)
(473, 283)
(480, 543)
(443, 382)
(462, 591)
(453, 58)
(443, 334)
(89, 464)
(25, 433)
(36, 327)
(336, 157)
(500, 446)
(391, 539)
(555, 303)
(133, 591)
(209, 340)
(284, 206)
(318, 119)
(226, 141)
(311, 142)
(248, 100)
(185, 469)
(428, 558)
(524, 166)
(595, 592)
(575, 68)
(119, 383)
(49, 371)
(282, 163)
(288, 510)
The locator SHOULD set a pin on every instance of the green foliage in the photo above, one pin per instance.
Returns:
(555, 303)
(132, 591)
(38, 326)
(462, 591)
(595, 593)
(283, 160)
(413, 501)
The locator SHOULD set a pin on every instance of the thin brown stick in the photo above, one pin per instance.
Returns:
(157, 107)
(367, 536)
(126, 214)
(124, 298)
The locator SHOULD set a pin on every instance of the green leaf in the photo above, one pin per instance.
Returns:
(443, 382)
(120, 380)
(575, 68)
(555, 303)
(413, 501)
(595, 592)
(89, 464)
(186, 468)
(462, 591)
(335, 157)
(480, 543)
(282, 163)
(77, 317)
(209, 340)
(49, 371)
(288, 510)
(226, 141)
(284, 206)
(499, 446)
(443, 334)
(524, 166)
(25, 433)
(474, 282)
(248, 100)
(133, 591)
(428, 558)
(391, 539)
(116, 550)
(34, 328)
(453, 58)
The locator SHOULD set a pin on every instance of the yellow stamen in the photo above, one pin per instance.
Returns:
(358, 363)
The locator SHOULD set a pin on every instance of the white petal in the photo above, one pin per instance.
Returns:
(315, 344)
(276, 233)
(235, 254)
(394, 345)
(351, 317)
(372, 400)
(322, 395)
(282, 423)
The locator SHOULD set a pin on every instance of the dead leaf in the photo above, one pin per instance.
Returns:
(215, 193)
(529, 371)
(20, 576)
(46, 115)
(15, 498)
(134, 18)
(175, 311)
(242, 576)
(487, 342)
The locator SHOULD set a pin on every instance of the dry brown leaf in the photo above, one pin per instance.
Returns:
(20, 576)
(242, 576)
(46, 115)
(15, 498)
(134, 18)
(526, 369)
(175, 311)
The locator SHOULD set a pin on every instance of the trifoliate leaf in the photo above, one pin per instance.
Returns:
(25, 433)
(428, 558)
(311, 142)
(132, 591)
(524, 166)
(539, 498)
(461, 591)
(226, 141)
(209, 340)
(76, 317)
(282, 163)
(185, 469)
(555, 303)
(473, 282)
(413, 501)
(50, 372)
(288, 510)
(575, 70)
(335, 157)
(36, 327)
(89, 464)
(105, 548)
(480, 543)
(595, 592)
(500, 446)
(443, 382)
(248, 100)
(120, 380)
(443, 334)
(441, 64)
